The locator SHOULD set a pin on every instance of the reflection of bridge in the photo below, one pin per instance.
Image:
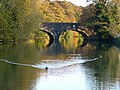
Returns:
(54, 30)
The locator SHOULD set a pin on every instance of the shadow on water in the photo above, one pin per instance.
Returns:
(117, 42)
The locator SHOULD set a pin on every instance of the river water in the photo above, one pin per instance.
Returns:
(93, 66)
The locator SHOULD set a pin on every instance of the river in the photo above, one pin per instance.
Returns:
(93, 66)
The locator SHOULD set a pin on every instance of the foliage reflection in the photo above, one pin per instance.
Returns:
(71, 39)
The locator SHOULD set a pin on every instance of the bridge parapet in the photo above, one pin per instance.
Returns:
(60, 26)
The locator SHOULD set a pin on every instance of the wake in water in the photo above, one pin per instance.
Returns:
(20, 64)
(53, 64)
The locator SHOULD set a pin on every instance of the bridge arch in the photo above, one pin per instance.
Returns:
(50, 34)
(83, 33)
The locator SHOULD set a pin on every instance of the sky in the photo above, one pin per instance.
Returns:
(77, 2)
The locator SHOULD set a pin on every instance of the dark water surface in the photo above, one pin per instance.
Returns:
(91, 67)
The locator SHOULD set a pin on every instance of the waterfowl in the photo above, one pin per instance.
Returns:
(46, 68)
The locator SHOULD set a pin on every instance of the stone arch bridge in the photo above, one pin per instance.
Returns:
(54, 30)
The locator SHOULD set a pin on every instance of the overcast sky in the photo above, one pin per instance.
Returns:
(77, 2)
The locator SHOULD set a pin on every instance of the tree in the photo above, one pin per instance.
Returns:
(8, 19)
(18, 19)
(103, 19)
(60, 11)
(114, 9)
(87, 13)
(107, 19)
(29, 17)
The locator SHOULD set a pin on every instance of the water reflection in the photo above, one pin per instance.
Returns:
(105, 73)
(42, 39)
(71, 40)
(92, 67)
(101, 74)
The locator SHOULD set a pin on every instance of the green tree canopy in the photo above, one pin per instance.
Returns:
(103, 18)
(18, 18)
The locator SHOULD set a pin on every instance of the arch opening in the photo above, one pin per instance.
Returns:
(51, 36)
(85, 36)
(71, 39)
